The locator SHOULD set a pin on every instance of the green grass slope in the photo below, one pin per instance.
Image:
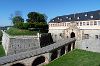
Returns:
(77, 58)
(16, 31)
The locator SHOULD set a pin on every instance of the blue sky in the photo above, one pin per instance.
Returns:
(51, 8)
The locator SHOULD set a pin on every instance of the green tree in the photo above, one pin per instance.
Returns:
(36, 17)
(17, 19)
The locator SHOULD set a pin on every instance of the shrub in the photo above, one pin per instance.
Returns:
(0, 35)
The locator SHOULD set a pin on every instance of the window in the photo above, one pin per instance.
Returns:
(64, 24)
(91, 16)
(78, 17)
(85, 14)
(87, 23)
(77, 24)
(60, 34)
(95, 22)
(53, 20)
(96, 36)
(60, 19)
(86, 36)
(98, 22)
(70, 18)
(80, 23)
(67, 17)
(83, 23)
(91, 22)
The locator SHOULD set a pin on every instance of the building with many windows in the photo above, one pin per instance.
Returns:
(85, 27)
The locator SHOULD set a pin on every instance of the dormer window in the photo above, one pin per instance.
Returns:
(67, 17)
(70, 18)
(58, 17)
(78, 17)
(91, 16)
(85, 14)
(53, 20)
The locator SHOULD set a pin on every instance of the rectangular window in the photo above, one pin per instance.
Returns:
(86, 36)
(77, 24)
(98, 22)
(83, 23)
(96, 36)
(80, 23)
(91, 22)
(87, 23)
(95, 22)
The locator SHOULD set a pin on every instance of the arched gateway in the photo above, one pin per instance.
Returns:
(72, 35)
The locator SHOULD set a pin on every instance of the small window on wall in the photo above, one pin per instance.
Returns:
(77, 24)
(91, 22)
(61, 35)
(87, 23)
(83, 23)
(80, 23)
(95, 22)
(98, 22)
(86, 36)
(96, 36)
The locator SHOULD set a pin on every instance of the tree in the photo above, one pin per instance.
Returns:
(36, 17)
(38, 21)
(17, 19)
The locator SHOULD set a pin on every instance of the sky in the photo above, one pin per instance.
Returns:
(51, 8)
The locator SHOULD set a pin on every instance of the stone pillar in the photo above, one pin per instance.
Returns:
(66, 49)
(71, 46)
(49, 56)
(59, 51)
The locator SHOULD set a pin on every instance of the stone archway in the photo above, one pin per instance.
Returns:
(72, 35)
(54, 54)
(62, 50)
(38, 61)
(18, 64)
(69, 47)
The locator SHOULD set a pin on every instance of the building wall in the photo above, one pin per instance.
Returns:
(81, 30)
(17, 44)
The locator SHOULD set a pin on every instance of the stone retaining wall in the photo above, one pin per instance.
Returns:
(17, 44)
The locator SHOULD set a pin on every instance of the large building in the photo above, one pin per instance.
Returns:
(85, 27)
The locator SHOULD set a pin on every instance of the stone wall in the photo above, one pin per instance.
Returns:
(17, 44)
(92, 43)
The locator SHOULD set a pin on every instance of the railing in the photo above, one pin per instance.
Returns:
(28, 54)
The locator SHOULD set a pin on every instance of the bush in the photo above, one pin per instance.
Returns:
(19, 25)
(0, 35)
(25, 25)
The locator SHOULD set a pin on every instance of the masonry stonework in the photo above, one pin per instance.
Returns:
(17, 44)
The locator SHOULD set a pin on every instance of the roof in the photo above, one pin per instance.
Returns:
(91, 15)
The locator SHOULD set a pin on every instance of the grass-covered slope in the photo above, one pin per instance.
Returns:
(77, 58)
(2, 52)
(16, 31)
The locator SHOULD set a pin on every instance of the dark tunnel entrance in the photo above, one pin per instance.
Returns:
(69, 47)
(62, 50)
(38, 61)
(54, 55)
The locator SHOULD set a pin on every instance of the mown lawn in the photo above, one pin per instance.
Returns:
(2, 52)
(77, 58)
(16, 31)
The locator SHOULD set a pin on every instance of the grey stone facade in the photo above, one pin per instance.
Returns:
(17, 44)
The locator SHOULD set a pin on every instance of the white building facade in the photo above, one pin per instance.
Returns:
(85, 27)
